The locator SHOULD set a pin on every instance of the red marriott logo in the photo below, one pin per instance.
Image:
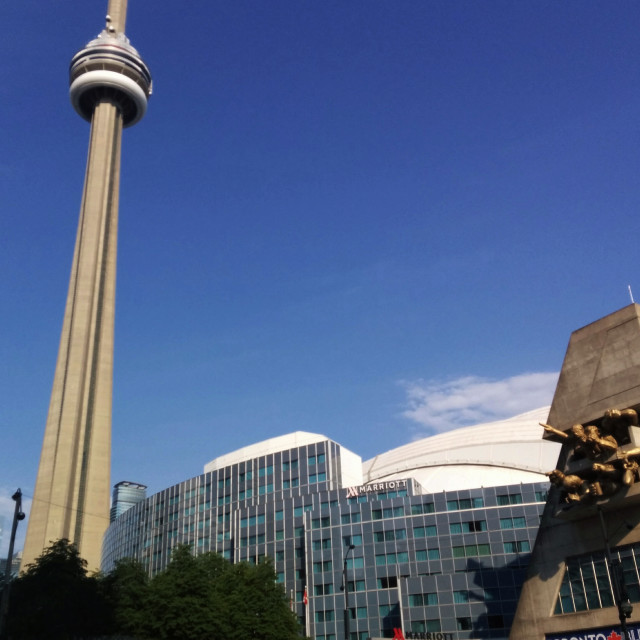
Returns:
(398, 634)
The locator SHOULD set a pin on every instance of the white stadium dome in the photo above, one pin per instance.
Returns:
(493, 454)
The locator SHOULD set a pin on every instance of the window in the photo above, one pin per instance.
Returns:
(417, 509)
(355, 540)
(517, 546)
(320, 567)
(325, 616)
(509, 498)
(280, 515)
(265, 471)
(541, 496)
(298, 531)
(280, 534)
(325, 543)
(463, 624)
(360, 613)
(349, 518)
(392, 534)
(358, 585)
(355, 563)
(265, 488)
(513, 523)
(468, 527)
(471, 550)
(387, 582)
(419, 627)
(280, 576)
(425, 532)
(464, 503)
(460, 597)
(392, 558)
(389, 512)
(318, 523)
(279, 556)
(251, 540)
(401, 493)
(323, 589)
(252, 520)
(423, 599)
(288, 484)
(428, 554)
(388, 609)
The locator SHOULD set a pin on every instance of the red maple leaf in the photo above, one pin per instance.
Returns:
(614, 636)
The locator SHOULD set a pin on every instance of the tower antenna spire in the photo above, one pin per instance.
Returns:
(116, 15)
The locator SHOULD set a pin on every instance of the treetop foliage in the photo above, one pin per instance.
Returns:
(202, 597)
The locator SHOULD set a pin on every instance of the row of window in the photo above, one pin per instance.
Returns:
(473, 550)
(388, 535)
(452, 505)
(383, 582)
(376, 514)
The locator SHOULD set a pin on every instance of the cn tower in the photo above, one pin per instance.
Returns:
(109, 87)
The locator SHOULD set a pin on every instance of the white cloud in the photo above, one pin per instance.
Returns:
(7, 508)
(444, 405)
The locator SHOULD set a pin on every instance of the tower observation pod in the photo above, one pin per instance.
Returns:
(110, 68)
(109, 87)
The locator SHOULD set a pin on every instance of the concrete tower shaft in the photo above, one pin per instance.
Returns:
(109, 86)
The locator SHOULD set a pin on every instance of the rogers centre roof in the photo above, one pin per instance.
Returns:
(492, 454)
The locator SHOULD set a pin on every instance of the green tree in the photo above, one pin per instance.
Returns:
(56, 599)
(126, 593)
(180, 604)
(208, 598)
(196, 598)
(256, 605)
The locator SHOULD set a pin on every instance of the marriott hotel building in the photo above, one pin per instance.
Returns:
(432, 538)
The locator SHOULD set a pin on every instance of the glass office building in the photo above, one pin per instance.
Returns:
(125, 495)
(394, 543)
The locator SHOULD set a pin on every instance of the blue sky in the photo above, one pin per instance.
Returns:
(369, 219)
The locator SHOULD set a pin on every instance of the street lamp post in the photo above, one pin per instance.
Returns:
(617, 581)
(345, 587)
(18, 515)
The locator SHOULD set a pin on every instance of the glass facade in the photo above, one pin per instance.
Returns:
(587, 581)
(449, 564)
(125, 495)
